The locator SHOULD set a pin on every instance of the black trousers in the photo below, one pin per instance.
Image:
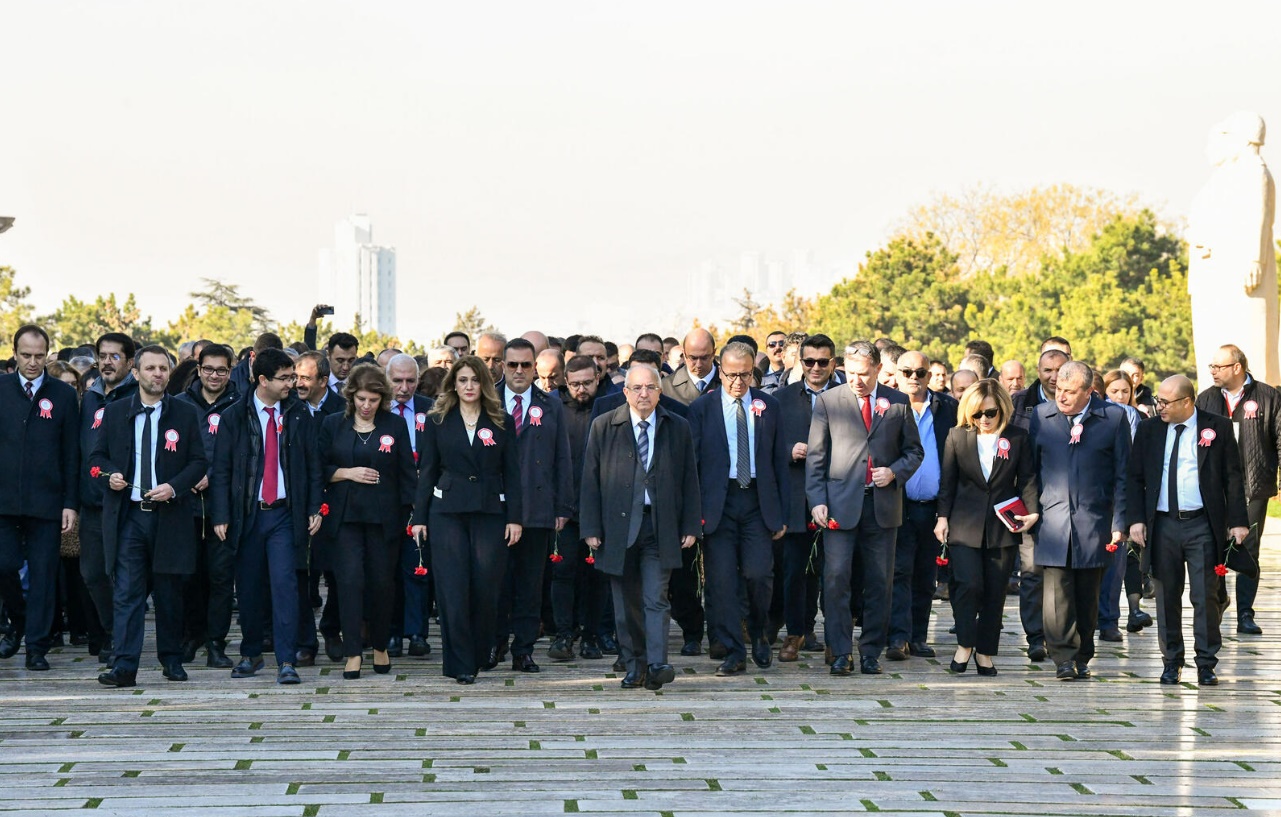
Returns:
(1031, 592)
(578, 589)
(134, 557)
(914, 573)
(469, 555)
(1247, 587)
(686, 607)
(799, 583)
(977, 591)
(1071, 611)
(1179, 545)
(93, 569)
(364, 560)
(207, 601)
(35, 541)
(520, 605)
(740, 552)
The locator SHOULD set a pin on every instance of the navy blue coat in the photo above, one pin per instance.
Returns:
(711, 448)
(546, 471)
(41, 454)
(210, 417)
(1082, 485)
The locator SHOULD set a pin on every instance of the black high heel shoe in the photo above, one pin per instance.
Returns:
(351, 674)
(382, 669)
(958, 667)
(987, 671)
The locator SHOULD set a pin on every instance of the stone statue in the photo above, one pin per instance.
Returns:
(1232, 276)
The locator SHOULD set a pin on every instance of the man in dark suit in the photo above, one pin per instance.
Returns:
(547, 484)
(1255, 411)
(1186, 493)
(264, 498)
(151, 450)
(863, 448)
(413, 591)
(39, 491)
(742, 471)
(916, 549)
(1031, 597)
(1082, 446)
(639, 509)
(799, 585)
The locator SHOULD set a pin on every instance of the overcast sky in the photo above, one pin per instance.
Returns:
(564, 165)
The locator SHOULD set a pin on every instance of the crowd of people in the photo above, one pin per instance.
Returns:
(588, 493)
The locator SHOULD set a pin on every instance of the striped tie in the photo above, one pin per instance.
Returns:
(744, 466)
(642, 444)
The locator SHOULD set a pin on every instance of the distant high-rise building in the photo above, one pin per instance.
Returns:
(358, 277)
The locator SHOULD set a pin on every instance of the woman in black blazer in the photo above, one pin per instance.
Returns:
(985, 462)
(469, 498)
(368, 468)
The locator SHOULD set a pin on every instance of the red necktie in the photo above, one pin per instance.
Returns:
(518, 415)
(867, 423)
(271, 460)
(401, 408)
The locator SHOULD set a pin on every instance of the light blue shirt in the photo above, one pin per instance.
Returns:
(268, 428)
(924, 484)
(649, 434)
(410, 422)
(136, 494)
(730, 413)
(35, 384)
(1188, 476)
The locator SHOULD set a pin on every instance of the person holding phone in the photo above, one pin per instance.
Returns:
(986, 461)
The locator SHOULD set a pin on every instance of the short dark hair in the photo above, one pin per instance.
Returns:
(611, 348)
(652, 337)
(216, 350)
(30, 329)
(864, 348)
(269, 361)
(571, 343)
(592, 339)
(521, 344)
(1057, 341)
(153, 349)
(322, 364)
(645, 357)
(579, 363)
(819, 342)
(457, 334)
(981, 348)
(342, 340)
(748, 339)
(268, 340)
(127, 346)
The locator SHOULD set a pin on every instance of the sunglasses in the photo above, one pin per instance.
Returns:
(776, 344)
(811, 362)
(520, 364)
(920, 374)
(990, 414)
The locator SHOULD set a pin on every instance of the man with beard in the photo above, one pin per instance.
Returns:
(342, 349)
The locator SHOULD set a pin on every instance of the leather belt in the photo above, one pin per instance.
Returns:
(146, 505)
(270, 506)
(1183, 516)
(733, 483)
(922, 501)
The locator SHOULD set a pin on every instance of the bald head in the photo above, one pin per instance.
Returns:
(538, 339)
(699, 347)
(1175, 398)
(1178, 386)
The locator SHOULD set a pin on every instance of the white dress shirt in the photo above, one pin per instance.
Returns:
(524, 403)
(280, 454)
(35, 384)
(730, 412)
(135, 493)
(987, 452)
(1188, 476)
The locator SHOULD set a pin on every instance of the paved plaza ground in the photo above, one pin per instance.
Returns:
(789, 739)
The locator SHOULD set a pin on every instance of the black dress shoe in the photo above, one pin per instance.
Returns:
(1205, 677)
(609, 644)
(633, 680)
(1037, 652)
(492, 661)
(811, 643)
(1111, 634)
(79, 640)
(465, 679)
(561, 649)
(921, 649)
(1172, 673)
(1066, 671)
(1082, 670)
(305, 658)
(247, 667)
(1245, 624)
(216, 657)
(618, 666)
(333, 649)
(37, 662)
(842, 665)
(1137, 621)
(189, 648)
(897, 652)
(287, 675)
(395, 647)
(716, 651)
(500, 651)
(107, 652)
(868, 665)
(418, 646)
(589, 648)
(762, 654)
(118, 678)
(658, 674)
(524, 663)
(9, 645)
(731, 667)
(692, 648)
(173, 671)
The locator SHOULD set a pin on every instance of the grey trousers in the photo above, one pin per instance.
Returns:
(642, 614)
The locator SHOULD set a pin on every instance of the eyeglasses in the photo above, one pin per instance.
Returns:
(1214, 367)
(776, 344)
(520, 364)
(1163, 403)
(811, 362)
(112, 356)
(920, 374)
(209, 371)
(581, 385)
(990, 414)
(641, 389)
(744, 376)
(286, 378)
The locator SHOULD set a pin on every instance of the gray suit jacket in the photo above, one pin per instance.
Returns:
(839, 445)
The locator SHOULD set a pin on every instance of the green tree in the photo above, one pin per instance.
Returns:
(15, 310)
(220, 324)
(78, 322)
(221, 295)
(472, 322)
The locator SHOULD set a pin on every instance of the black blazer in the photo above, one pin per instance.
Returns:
(966, 497)
(41, 457)
(711, 447)
(1218, 469)
(237, 472)
(456, 475)
(546, 472)
(1025, 403)
(182, 468)
(397, 478)
(943, 407)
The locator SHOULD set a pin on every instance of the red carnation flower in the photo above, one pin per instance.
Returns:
(95, 472)
(1220, 570)
(940, 561)
(811, 526)
(591, 560)
(420, 571)
(557, 558)
(832, 524)
(1111, 547)
(409, 531)
(324, 509)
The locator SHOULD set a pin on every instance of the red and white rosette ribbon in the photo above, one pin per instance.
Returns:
(486, 436)
(535, 416)
(1251, 410)
(384, 443)
(758, 407)
(1207, 437)
(1003, 449)
(214, 420)
(1075, 437)
(171, 440)
(46, 408)
(280, 423)
(882, 406)
(420, 420)
(97, 418)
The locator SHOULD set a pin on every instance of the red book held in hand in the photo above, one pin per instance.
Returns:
(1007, 510)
